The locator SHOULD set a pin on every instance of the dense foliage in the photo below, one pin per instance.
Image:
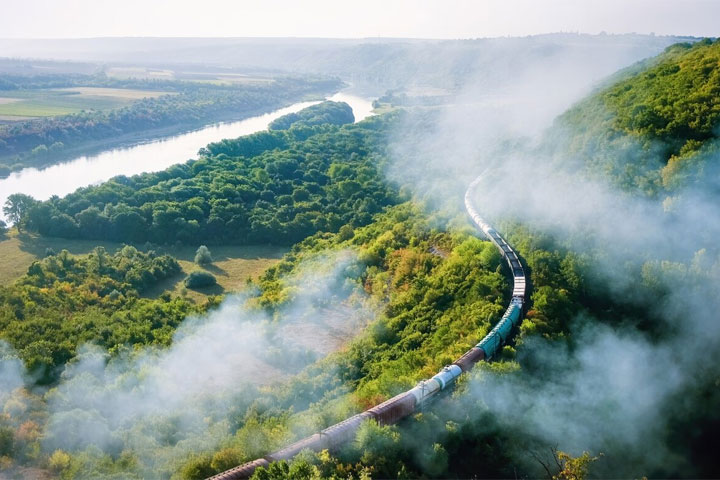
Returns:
(438, 288)
(271, 187)
(676, 100)
(440, 291)
(36, 142)
(65, 301)
(656, 126)
(333, 113)
(436, 306)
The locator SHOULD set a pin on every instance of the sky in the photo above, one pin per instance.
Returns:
(345, 19)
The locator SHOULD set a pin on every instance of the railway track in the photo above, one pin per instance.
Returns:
(404, 404)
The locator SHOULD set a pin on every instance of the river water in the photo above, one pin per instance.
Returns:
(158, 154)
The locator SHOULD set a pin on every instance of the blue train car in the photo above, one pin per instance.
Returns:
(499, 335)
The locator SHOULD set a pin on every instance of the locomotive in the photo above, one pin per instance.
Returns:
(404, 404)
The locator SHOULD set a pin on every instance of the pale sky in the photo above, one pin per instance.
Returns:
(357, 18)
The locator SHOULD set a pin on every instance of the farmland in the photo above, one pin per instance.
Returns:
(24, 104)
(214, 76)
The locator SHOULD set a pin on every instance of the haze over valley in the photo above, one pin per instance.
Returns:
(398, 241)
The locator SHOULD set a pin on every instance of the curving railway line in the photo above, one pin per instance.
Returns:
(404, 404)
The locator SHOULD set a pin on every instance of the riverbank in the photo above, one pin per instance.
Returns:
(131, 139)
(147, 156)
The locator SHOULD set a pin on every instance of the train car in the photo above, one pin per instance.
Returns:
(344, 431)
(470, 358)
(314, 442)
(392, 410)
(501, 332)
(243, 471)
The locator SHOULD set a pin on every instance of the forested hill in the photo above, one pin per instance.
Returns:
(375, 63)
(656, 126)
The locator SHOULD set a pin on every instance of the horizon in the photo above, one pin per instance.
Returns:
(350, 39)
(325, 19)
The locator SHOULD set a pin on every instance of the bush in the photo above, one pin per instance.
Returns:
(203, 256)
(200, 279)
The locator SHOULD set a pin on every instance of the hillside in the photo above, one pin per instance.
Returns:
(610, 360)
(656, 125)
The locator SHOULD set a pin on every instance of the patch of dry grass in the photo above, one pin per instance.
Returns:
(232, 265)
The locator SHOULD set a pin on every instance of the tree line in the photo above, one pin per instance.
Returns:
(273, 187)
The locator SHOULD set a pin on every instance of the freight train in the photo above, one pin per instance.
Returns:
(407, 402)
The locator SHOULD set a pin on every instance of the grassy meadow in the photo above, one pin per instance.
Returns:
(232, 265)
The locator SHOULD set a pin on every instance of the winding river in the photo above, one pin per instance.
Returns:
(158, 154)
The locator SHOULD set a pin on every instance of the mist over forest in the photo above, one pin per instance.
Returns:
(183, 321)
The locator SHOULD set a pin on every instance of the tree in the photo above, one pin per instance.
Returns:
(3, 228)
(567, 466)
(346, 232)
(59, 461)
(16, 206)
(203, 256)
(92, 223)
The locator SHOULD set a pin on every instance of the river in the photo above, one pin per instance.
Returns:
(157, 154)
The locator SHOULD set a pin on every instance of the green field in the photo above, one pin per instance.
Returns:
(22, 104)
(232, 265)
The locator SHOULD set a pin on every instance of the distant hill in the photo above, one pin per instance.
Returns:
(371, 64)
(654, 125)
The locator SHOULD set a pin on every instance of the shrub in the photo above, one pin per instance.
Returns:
(203, 256)
(200, 279)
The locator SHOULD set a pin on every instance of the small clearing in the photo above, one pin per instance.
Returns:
(232, 265)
